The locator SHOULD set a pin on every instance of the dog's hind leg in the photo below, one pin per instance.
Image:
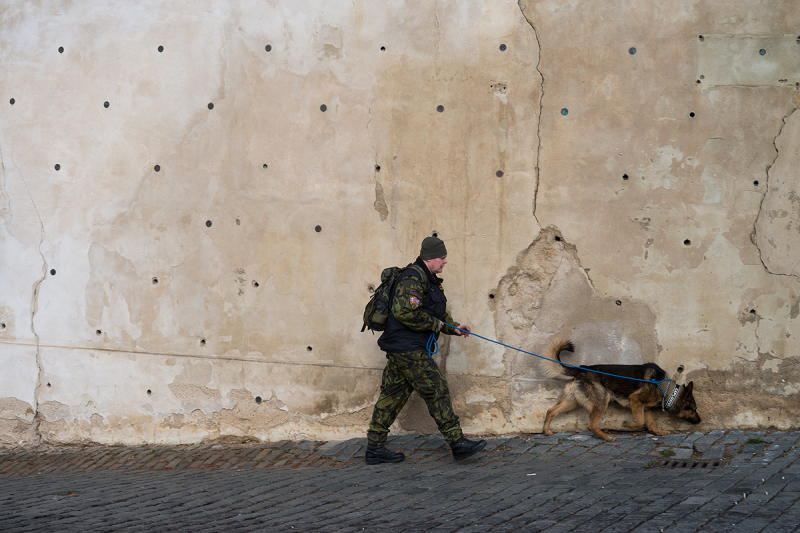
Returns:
(594, 422)
(567, 403)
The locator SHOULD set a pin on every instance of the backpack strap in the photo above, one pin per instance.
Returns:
(418, 269)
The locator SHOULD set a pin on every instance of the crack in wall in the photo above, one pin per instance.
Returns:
(754, 234)
(523, 7)
(37, 420)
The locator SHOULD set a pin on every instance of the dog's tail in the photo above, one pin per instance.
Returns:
(556, 370)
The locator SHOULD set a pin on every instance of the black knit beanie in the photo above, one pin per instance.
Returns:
(432, 248)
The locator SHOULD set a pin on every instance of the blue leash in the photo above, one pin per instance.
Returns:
(433, 338)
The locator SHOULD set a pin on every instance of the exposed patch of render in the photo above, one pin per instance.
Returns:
(548, 294)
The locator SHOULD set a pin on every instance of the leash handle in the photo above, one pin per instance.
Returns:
(432, 341)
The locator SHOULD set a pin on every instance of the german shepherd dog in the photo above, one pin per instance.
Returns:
(593, 391)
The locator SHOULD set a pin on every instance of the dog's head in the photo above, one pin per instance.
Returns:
(687, 407)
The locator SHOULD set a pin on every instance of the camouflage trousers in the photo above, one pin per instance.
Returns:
(404, 373)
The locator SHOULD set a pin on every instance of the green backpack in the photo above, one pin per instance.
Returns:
(378, 309)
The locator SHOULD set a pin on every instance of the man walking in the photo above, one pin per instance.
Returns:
(418, 311)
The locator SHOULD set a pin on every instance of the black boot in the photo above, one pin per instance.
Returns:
(464, 448)
(380, 454)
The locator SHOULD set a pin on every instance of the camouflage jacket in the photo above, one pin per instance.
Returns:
(407, 306)
(418, 307)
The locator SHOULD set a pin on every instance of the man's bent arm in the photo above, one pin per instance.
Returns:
(407, 306)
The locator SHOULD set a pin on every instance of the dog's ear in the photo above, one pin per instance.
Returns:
(689, 387)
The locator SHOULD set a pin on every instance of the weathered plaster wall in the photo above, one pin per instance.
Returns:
(172, 271)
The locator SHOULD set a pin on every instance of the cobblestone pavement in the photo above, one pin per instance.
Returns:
(717, 481)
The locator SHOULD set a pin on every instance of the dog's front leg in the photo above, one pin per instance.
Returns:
(651, 423)
(637, 410)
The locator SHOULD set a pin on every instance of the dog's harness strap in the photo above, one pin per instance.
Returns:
(653, 381)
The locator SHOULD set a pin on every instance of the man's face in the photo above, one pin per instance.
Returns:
(437, 265)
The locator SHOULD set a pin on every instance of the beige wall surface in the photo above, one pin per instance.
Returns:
(197, 197)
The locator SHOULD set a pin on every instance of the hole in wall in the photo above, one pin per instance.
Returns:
(499, 173)
(687, 242)
(435, 234)
(632, 51)
(691, 114)
(52, 271)
(752, 311)
(377, 168)
(558, 239)
(317, 228)
(157, 168)
(12, 101)
(208, 223)
(2, 326)
(309, 348)
(238, 222)
(57, 167)
(255, 284)
(268, 48)
(323, 108)
(210, 105)
(503, 47)
(618, 302)
(701, 38)
(265, 166)
(625, 177)
(155, 281)
(762, 52)
(440, 108)
(698, 81)
(149, 392)
(202, 342)
(680, 369)
(98, 332)
(106, 104)
(160, 48)
(564, 111)
(383, 48)
(755, 183)
(491, 296)
(48, 385)
(60, 49)
(258, 399)
(370, 288)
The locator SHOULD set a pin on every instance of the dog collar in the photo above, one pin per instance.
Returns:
(666, 404)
